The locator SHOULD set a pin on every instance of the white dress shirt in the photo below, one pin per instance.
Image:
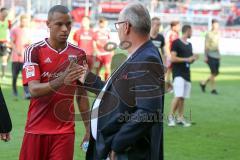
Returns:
(94, 113)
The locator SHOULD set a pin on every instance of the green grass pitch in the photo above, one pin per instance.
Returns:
(215, 136)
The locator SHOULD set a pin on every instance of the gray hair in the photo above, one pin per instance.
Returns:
(138, 16)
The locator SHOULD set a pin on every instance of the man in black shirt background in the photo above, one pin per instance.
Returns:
(157, 38)
(181, 57)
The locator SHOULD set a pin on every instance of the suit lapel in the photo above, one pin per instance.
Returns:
(117, 72)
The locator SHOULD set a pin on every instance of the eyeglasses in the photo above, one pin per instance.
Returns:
(117, 24)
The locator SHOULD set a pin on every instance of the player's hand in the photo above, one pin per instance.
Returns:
(112, 155)
(5, 137)
(190, 59)
(72, 73)
(85, 138)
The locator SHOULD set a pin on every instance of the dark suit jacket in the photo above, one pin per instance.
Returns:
(5, 121)
(130, 114)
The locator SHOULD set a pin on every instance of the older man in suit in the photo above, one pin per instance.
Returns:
(126, 117)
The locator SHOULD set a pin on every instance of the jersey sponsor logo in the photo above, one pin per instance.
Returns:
(51, 75)
(30, 71)
(47, 60)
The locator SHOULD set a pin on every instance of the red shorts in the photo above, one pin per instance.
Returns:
(104, 59)
(47, 147)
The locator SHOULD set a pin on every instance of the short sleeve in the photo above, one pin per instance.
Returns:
(31, 70)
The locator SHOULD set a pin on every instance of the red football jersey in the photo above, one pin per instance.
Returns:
(170, 37)
(52, 113)
(85, 40)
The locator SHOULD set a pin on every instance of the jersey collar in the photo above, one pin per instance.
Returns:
(49, 46)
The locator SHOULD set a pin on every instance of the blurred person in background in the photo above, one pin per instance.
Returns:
(212, 56)
(20, 39)
(171, 36)
(157, 38)
(84, 37)
(104, 57)
(51, 72)
(5, 25)
(181, 57)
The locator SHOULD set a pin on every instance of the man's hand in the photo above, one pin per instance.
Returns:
(190, 59)
(85, 71)
(112, 155)
(196, 57)
(5, 137)
(72, 73)
(206, 59)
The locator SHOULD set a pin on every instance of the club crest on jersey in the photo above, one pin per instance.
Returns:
(73, 58)
(30, 71)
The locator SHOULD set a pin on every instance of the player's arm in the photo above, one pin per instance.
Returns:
(71, 74)
(38, 89)
(176, 59)
(83, 105)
